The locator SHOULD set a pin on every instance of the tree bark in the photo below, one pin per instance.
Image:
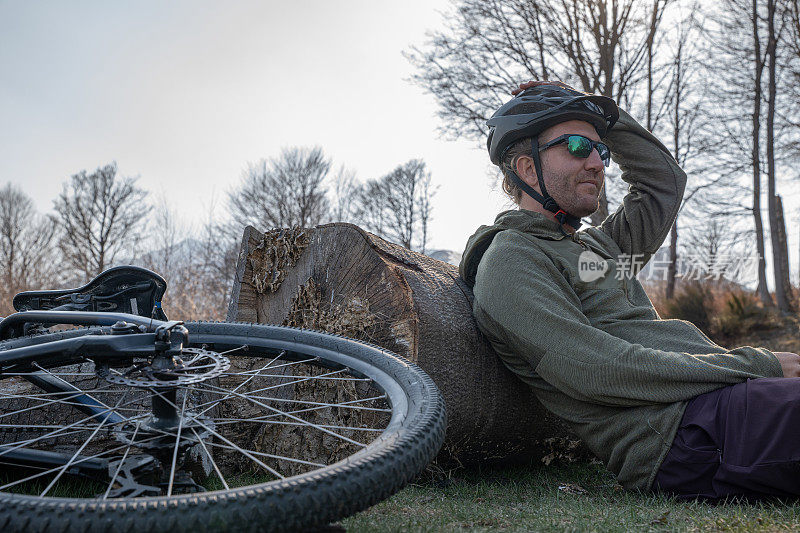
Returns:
(408, 303)
(763, 291)
(780, 260)
(672, 269)
(783, 248)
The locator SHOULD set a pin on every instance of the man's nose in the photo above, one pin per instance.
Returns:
(594, 162)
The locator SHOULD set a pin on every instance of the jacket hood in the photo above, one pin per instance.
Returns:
(517, 219)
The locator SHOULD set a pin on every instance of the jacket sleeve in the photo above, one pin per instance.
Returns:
(656, 184)
(532, 311)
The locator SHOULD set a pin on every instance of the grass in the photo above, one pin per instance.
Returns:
(580, 497)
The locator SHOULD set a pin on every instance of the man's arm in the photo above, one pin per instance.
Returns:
(656, 185)
(522, 299)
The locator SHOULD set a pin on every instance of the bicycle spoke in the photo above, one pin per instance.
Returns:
(75, 455)
(76, 374)
(284, 423)
(244, 382)
(307, 378)
(177, 442)
(121, 461)
(298, 419)
(42, 426)
(45, 395)
(321, 378)
(322, 405)
(85, 402)
(59, 400)
(290, 363)
(221, 437)
(79, 461)
(58, 432)
(244, 452)
(319, 405)
(264, 454)
(211, 458)
(242, 347)
(4, 448)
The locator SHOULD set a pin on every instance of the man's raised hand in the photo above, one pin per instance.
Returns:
(534, 83)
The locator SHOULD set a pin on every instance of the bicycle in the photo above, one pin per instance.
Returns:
(135, 422)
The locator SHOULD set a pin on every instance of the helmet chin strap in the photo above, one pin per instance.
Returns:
(545, 199)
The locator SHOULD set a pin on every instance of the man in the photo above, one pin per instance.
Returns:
(662, 405)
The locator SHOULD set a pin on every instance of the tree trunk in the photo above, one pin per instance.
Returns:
(763, 291)
(672, 269)
(780, 259)
(784, 254)
(341, 279)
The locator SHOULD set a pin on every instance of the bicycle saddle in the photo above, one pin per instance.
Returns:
(123, 289)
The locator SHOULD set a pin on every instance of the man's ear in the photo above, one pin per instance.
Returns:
(527, 171)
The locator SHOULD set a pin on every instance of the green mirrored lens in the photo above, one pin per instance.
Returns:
(605, 155)
(579, 146)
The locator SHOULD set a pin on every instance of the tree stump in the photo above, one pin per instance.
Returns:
(344, 280)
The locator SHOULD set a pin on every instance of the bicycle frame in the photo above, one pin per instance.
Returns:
(136, 336)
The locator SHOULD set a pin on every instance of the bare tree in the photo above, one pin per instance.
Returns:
(758, 69)
(684, 95)
(398, 205)
(100, 215)
(26, 258)
(735, 32)
(344, 189)
(425, 209)
(214, 269)
(198, 265)
(711, 245)
(166, 235)
(283, 192)
(487, 47)
(780, 254)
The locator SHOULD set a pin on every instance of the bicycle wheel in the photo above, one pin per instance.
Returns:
(272, 429)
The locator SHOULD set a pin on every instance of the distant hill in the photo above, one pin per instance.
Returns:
(448, 256)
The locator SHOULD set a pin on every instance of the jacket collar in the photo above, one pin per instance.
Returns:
(530, 222)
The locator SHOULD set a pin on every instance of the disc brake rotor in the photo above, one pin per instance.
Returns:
(196, 365)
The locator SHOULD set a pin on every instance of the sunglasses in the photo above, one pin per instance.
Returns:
(581, 146)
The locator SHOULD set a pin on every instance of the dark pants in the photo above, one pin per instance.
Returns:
(741, 440)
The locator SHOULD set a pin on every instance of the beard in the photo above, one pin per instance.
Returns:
(573, 193)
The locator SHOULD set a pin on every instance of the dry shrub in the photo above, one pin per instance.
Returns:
(694, 302)
(723, 310)
(742, 313)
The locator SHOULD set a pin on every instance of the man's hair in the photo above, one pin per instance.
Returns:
(518, 148)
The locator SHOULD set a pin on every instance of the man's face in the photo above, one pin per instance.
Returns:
(573, 182)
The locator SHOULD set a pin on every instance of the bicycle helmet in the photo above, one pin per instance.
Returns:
(533, 111)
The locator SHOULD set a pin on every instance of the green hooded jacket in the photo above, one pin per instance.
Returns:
(569, 317)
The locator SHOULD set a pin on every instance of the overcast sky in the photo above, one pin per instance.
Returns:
(186, 93)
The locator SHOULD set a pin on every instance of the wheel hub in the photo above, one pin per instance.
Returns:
(151, 436)
(194, 366)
